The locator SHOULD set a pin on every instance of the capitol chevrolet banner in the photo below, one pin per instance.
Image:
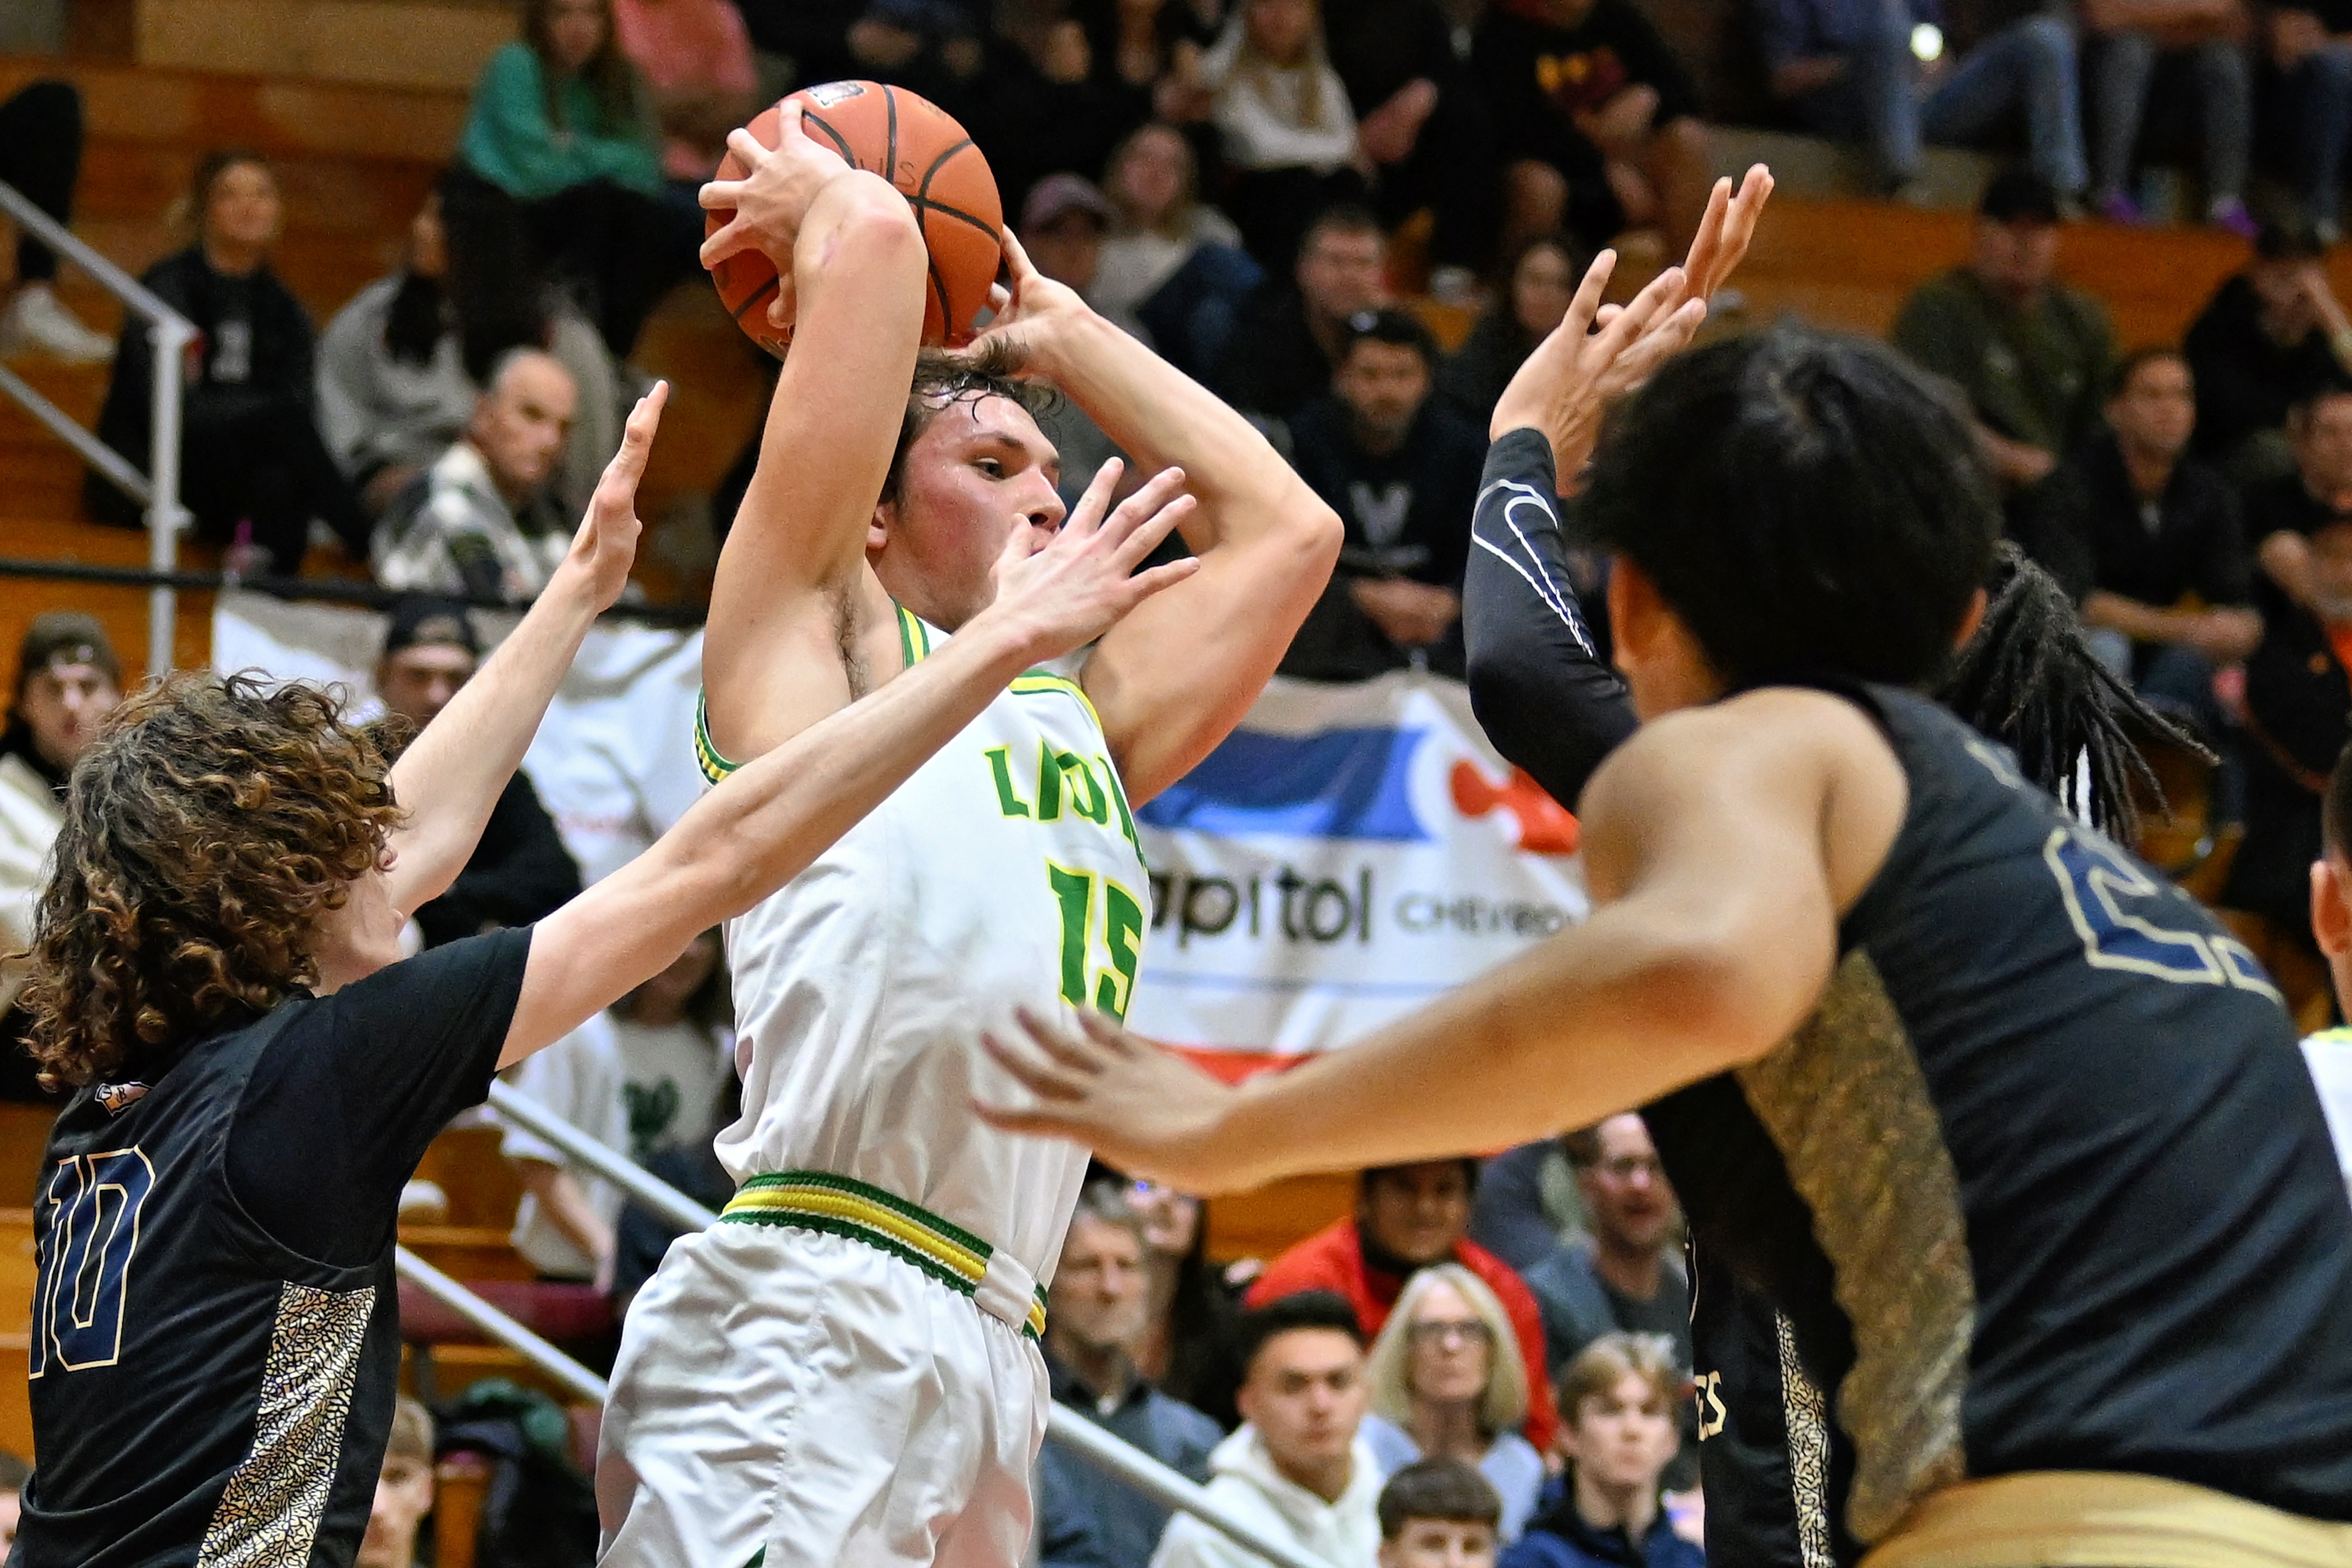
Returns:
(1348, 854)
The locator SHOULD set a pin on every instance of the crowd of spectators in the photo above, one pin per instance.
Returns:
(1486, 1361)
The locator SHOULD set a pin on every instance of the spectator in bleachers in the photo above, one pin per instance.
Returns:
(2310, 49)
(1528, 1204)
(1626, 1277)
(1617, 1431)
(2148, 539)
(519, 870)
(1172, 271)
(1187, 1344)
(1425, 131)
(1044, 103)
(252, 467)
(483, 521)
(393, 393)
(2271, 335)
(1438, 1513)
(564, 1227)
(1094, 1311)
(1448, 1382)
(2207, 40)
(2299, 716)
(1400, 467)
(40, 155)
(1408, 1218)
(559, 182)
(67, 680)
(1283, 116)
(696, 59)
(1598, 119)
(1286, 341)
(1853, 70)
(1539, 282)
(1298, 1470)
(403, 1490)
(810, 36)
(2283, 514)
(2029, 354)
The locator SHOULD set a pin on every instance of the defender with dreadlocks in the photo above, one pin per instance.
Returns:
(2011, 1134)
(845, 1370)
(218, 973)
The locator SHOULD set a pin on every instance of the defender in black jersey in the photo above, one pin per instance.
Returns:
(2013, 1133)
(216, 1339)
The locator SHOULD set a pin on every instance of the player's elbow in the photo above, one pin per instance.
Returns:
(1315, 532)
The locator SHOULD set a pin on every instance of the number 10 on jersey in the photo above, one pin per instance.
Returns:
(1080, 893)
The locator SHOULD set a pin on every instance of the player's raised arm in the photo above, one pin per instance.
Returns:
(770, 819)
(1721, 845)
(451, 776)
(1176, 676)
(792, 587)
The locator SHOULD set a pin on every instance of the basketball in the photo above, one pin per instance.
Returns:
(919, 148)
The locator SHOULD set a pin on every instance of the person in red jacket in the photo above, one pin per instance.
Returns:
(1408, 1218)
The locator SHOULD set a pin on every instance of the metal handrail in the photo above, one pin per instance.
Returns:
(1112, 1455)
(498, 1326)
(158, 490)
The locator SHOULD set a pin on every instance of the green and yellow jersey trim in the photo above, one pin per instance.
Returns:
(715, 768)
(844, 1206)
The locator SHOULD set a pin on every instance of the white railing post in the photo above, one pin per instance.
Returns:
(165, 513)
(582, 1382)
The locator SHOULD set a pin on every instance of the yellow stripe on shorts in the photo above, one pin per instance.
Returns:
(843, 1206)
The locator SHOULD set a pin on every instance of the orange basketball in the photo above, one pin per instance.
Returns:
(917, 147)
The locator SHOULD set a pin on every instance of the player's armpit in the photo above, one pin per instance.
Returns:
(793, 587)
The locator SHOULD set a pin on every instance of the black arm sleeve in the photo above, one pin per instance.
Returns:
(1540, 693)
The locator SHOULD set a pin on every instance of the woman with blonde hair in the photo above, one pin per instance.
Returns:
(1446, 1379)
(1283, 116)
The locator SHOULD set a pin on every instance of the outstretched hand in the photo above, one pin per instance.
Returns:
(1060, 593)
(1601, 353)
(772, 199)
(1140, 1107)
(606, 545)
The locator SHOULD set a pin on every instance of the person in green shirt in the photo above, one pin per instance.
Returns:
(558, 181)
(2031, 355)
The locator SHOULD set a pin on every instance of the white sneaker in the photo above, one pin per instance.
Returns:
(37, 323)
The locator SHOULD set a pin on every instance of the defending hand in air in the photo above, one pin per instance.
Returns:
(606, 545)
(1057, 592)
(1141, 1108)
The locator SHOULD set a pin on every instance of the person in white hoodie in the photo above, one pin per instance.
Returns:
(1298, 1468)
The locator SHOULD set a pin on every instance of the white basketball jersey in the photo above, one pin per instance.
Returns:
(1004, 872)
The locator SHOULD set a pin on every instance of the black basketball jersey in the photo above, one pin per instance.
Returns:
(2044, 1183)
(202, 1391)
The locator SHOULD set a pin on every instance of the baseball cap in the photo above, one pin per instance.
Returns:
(1056, 196)
(2020, 196)
(422, 621)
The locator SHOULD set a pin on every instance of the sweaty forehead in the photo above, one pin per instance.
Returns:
(988, 420)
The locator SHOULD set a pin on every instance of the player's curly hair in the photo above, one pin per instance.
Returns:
(945, 378)
(207, 829)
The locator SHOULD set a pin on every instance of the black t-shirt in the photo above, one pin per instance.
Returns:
(1538, 77)
(520, 872)
(2285, 504)
(217, 1337)
(2246, 383)
(1272, 365)
(2090, 530)
(1379, 46)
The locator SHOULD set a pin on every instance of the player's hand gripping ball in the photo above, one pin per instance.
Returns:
(919, 148)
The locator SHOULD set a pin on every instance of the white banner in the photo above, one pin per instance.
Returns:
(1347, 854)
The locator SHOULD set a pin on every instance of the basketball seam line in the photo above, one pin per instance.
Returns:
(765, 289)
(920, 200)
(890, 154)
(839, 145)
(925, 204)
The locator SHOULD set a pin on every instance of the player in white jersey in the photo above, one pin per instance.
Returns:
(844, 1369)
